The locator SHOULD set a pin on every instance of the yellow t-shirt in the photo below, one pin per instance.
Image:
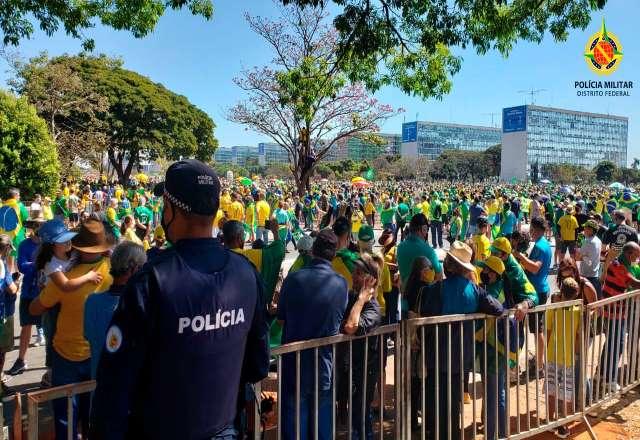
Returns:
(369, 208)
(384, 285)
(426, 209)
(568, 225)
(217, 218)
(236, 211)
(130, 235)
(119, 193)
(264, 211)
(356, 220)
(341, 269)
(69, 339)
(225, 202)
(111, 215)
(66, 192)
(482, 245)
(561, 348)
(47, 212)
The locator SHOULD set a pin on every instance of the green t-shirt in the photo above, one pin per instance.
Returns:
(436, 205)
(402, 212)
(386, 216)
(143, 214)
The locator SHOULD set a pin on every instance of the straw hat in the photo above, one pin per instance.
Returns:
(461, 253)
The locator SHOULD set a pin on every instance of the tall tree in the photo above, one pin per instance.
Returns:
(413, 40)
(605, 170)
(69, 105)
(28, 158)
(142, 120)
(302, 101)
(140, 17)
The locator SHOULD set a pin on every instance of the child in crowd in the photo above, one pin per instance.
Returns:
(53, 259)
(563, 367)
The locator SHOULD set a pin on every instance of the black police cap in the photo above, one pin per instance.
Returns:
(192, 186)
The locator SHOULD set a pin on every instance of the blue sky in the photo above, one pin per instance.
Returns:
(199, 59)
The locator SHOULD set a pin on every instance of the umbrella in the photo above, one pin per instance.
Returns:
(545, 181)
(566, 190)
(245, 181)
(357, 179)
(616, 185)
(142, 178)
(360, 183)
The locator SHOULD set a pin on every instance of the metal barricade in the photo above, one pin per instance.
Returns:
(509, 395)
(35, 399)
(317, 390)
(612, 348)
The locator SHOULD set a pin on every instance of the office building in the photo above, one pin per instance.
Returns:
(429, 139)
(271, 154)
(223, 155)
(544, 135)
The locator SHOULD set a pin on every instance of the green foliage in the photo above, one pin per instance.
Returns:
(605, 170)
(565, 173)
(222, 168)
(467, 165)
(409, 43)
(28, 158)
(68, 104)
(142, 119)
(139, 17)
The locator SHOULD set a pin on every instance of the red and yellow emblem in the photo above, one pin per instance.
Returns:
(603, 52)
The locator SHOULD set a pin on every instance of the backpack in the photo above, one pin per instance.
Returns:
(437, 212)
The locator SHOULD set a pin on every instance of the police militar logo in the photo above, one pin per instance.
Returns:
(603, 52)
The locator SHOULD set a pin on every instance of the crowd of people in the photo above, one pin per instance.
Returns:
(177, 290)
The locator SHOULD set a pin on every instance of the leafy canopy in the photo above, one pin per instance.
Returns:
(409, 43)
(137, 16)
(142, 119)
(28, 158)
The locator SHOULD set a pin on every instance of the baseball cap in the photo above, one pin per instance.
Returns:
(54, 231)
(482, 221)
(501, 244)
(493, 263)
(192, 186)
(365, 233)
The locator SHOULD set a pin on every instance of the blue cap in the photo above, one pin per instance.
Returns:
(54, 231)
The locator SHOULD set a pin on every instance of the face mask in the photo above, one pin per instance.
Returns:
(485, 278)
(165, 225)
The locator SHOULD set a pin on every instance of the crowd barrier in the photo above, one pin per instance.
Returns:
(418, 370)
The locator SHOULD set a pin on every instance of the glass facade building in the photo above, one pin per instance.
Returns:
(270, 153)
(549, 135)
(223, 155)
(429, 139)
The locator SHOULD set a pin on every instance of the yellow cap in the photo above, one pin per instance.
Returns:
(493, 263)
(502, 244)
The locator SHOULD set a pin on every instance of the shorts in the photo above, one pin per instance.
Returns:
(542, 300)
(27, 318)
(6, 335)
(74, 217)
(570, 245)
(561, 380)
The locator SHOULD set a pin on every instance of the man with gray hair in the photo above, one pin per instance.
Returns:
(126, 259)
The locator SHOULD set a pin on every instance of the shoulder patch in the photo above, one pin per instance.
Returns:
(114, 339)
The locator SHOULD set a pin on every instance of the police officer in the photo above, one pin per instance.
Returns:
(188, 331)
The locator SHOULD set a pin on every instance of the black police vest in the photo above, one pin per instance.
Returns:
(200, 332)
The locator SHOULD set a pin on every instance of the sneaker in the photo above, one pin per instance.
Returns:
(19, 366)
(40, 340)
(562, 432)
(467, 398)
